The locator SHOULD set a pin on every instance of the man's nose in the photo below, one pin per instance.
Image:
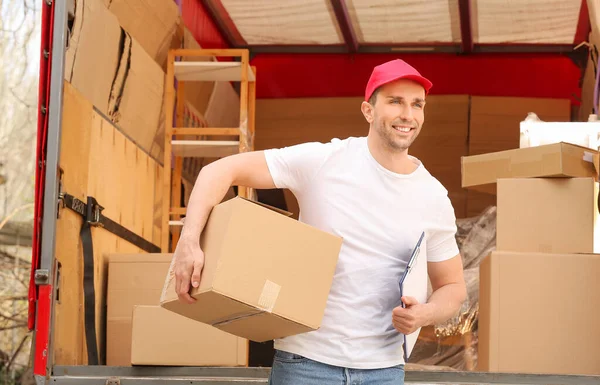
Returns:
(406, 113)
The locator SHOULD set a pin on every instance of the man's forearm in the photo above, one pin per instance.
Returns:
(208, 191)
(445, 303)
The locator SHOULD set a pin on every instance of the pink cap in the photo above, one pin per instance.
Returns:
(394, 70)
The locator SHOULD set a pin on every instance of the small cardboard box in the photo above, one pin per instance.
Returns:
(265, 275)
(138, 279)
(480, 172)
(551, 215)
(539, 313)
(161, 337)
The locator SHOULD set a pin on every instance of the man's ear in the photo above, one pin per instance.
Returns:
(367, 110)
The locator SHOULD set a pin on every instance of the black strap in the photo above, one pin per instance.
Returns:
(92, 213)
(92, 216)
(89, 293)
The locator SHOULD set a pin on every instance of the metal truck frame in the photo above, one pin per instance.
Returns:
(43, 274)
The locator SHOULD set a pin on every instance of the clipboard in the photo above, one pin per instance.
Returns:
(413, 283)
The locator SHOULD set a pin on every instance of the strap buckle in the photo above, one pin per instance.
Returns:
(93, 212)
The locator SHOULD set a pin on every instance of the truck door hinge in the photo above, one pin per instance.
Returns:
(41, 276)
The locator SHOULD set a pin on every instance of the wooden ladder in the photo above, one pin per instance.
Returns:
(207, 142)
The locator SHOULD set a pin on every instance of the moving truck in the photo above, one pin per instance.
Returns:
(101, 150)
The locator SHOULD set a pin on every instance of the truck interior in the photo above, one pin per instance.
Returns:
(120, 141)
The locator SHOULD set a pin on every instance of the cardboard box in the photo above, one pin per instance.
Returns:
(93, 48)
(558, 215)
(480, 172)
(153, 24)
(182, 341)
(137, 97)
(127, 85)
(138, 279)
(539, 313)
(265, 275)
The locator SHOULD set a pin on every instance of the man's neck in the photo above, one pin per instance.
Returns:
(398, 162)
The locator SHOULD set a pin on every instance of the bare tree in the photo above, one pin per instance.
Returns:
(20, 36)
(19, 66)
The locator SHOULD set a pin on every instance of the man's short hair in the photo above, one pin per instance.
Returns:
(373, 97)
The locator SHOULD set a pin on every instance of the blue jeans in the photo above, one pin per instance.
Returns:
(292, 369)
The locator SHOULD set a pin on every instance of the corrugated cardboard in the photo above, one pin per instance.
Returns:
(153, 24)
(265, 275)
(126, 85)
(93, 48)
(480, 172)
(138, 96)
(539, 313)
(182, 341)
(138, 279)
(558, 215)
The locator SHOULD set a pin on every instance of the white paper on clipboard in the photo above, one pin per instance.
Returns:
(415, 285)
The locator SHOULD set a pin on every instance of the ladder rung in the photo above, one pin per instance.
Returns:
(210, 71)
(205, 148)
(178, 210)
(206, 131)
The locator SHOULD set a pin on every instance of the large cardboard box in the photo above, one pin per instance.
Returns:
(553, 215)
(161, 337)
(480, 172)
(539, 313)
(113, 71)
(138, 279)
(265, 275)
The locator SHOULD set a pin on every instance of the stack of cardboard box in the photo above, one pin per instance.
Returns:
(538, 307)
(139, 332)
(265, 276)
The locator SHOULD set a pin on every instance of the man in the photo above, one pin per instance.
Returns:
(379, 199)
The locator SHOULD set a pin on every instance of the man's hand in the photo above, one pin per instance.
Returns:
(189, 261)
(409, 319)
(245, 169)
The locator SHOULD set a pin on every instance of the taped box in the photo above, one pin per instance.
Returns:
(481, 172)
(139, 332)
(539, 313)
(550, 215)
(163, 338)
(265, 275)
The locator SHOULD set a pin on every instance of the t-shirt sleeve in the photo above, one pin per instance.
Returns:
(442, 244)
(295, 166)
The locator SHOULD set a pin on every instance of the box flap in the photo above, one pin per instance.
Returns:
(280, 211)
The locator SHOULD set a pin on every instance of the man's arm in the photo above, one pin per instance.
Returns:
(449, 289)
(246, 169)
(214, 180)
(449, 292)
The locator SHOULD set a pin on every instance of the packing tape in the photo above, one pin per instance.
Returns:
(268, 296)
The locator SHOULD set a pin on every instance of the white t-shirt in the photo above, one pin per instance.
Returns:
(343, 190)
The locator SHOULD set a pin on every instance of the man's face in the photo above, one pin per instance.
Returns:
(398, 113)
